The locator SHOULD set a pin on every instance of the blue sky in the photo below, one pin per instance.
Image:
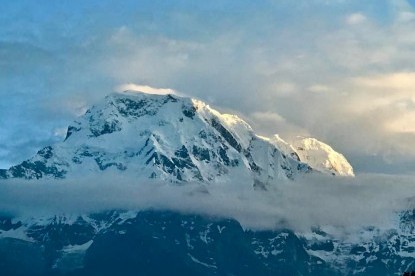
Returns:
(342, 71)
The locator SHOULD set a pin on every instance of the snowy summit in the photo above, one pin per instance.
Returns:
(177, 139)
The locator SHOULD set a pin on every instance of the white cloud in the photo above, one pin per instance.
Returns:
(391, 98)
(268, 123)
(319, 88)
(367, 200)
(268, 116)
(284, 88)
(78, 107)
(401, 81)
(355, 19)
(144, 88)
(403, 124)
(406, 16)
(60, 132)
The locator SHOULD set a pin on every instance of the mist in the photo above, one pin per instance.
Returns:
(314, 200)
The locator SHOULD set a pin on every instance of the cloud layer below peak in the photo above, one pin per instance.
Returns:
(347, 204)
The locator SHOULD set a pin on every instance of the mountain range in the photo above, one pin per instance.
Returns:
(179, 140)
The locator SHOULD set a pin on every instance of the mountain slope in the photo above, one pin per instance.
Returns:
(318, 155)
(161, 136)
(162, 242)
(321, 156)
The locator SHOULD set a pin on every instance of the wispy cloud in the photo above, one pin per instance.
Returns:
(355, 19)
(144, 88)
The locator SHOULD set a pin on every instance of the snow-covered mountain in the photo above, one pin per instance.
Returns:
(164, 137)
(163, 243)
(177, 140)
(318, 155)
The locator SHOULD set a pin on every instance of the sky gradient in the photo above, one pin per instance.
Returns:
(341, 71)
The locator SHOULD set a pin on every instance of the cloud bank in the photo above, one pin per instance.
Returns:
(344, 203)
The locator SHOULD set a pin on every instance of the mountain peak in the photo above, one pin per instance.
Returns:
(178, 139)
(167, 137)
(321, 156)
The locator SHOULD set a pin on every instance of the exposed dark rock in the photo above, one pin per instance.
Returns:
(140, 107)
(7, 224)
(106, 127)
(71, 130)
(103, 164)
(36, 169)
(130, 108)
(3, 173)
(189, 111)
(226, 135)
(201, 154)
(46, 152)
